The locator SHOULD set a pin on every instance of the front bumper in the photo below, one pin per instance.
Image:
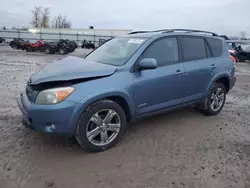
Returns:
(55, 118)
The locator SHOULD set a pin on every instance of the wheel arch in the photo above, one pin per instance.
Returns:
(225, 81)
(122, 98)
(223, 78)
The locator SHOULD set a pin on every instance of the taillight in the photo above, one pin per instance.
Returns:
(232, 58)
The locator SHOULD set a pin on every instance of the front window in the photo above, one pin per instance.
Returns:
(116, 51)
(164, 51)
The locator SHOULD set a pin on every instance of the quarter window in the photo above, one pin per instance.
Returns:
(216, 46)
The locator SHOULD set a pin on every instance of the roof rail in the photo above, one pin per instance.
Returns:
(186, 30)
(135, 32)
(174, 30)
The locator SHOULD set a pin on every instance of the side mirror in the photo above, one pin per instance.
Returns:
(147, 63)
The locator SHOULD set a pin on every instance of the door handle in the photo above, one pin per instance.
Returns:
(213, 66)
(178, 72)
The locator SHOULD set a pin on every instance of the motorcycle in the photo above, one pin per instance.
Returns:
(37, 46)
(88, 45)
(61, 47)
(18, 43)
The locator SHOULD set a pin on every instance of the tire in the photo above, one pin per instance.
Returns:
(47, 50)
(29, 49)
(242, 58)
(15, 47)
(209, 110)
(62, 51)
(85, 123)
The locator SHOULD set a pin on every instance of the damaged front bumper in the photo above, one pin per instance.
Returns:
(26, 122)
(54, 118)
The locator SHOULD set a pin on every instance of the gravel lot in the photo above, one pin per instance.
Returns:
(175, 150)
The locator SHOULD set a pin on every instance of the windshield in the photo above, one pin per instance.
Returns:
(116, 51)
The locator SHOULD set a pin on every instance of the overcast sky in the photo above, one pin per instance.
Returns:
(222, 16)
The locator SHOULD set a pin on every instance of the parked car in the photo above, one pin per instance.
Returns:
(126, 79)
(2, 40)
(18, 43)
(37, 46)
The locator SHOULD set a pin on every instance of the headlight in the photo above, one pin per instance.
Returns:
(53, 96)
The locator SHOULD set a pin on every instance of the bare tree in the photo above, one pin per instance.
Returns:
(61, 22)
(41, 18)
(57, 21)
(36, 19)
(65, 23)
(45, 16)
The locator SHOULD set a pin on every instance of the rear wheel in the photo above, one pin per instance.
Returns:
(215, 99)
(101, 126)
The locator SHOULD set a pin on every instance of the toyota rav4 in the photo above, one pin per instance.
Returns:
(125, 79)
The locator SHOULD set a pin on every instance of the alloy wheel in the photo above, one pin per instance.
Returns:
(103, 127)
(217, 99)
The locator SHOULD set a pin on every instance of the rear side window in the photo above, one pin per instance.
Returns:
(193, 48)
(215, 46)
(165, 51)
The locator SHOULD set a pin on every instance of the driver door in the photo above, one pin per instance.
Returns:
(160, 88)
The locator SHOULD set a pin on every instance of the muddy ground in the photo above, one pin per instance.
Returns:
(176, 150)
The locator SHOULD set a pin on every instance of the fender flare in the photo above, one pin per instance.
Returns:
(213, 80)
(86, 101)
(216, 77)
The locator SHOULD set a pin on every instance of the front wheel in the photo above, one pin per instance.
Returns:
(47, 50)
(15, 47)
(101, 126)
(215, 99)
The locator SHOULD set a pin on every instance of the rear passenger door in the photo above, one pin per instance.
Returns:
(196, 57)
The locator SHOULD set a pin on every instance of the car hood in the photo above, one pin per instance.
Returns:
(71, 68)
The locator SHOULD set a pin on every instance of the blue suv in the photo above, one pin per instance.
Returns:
(128, 78)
